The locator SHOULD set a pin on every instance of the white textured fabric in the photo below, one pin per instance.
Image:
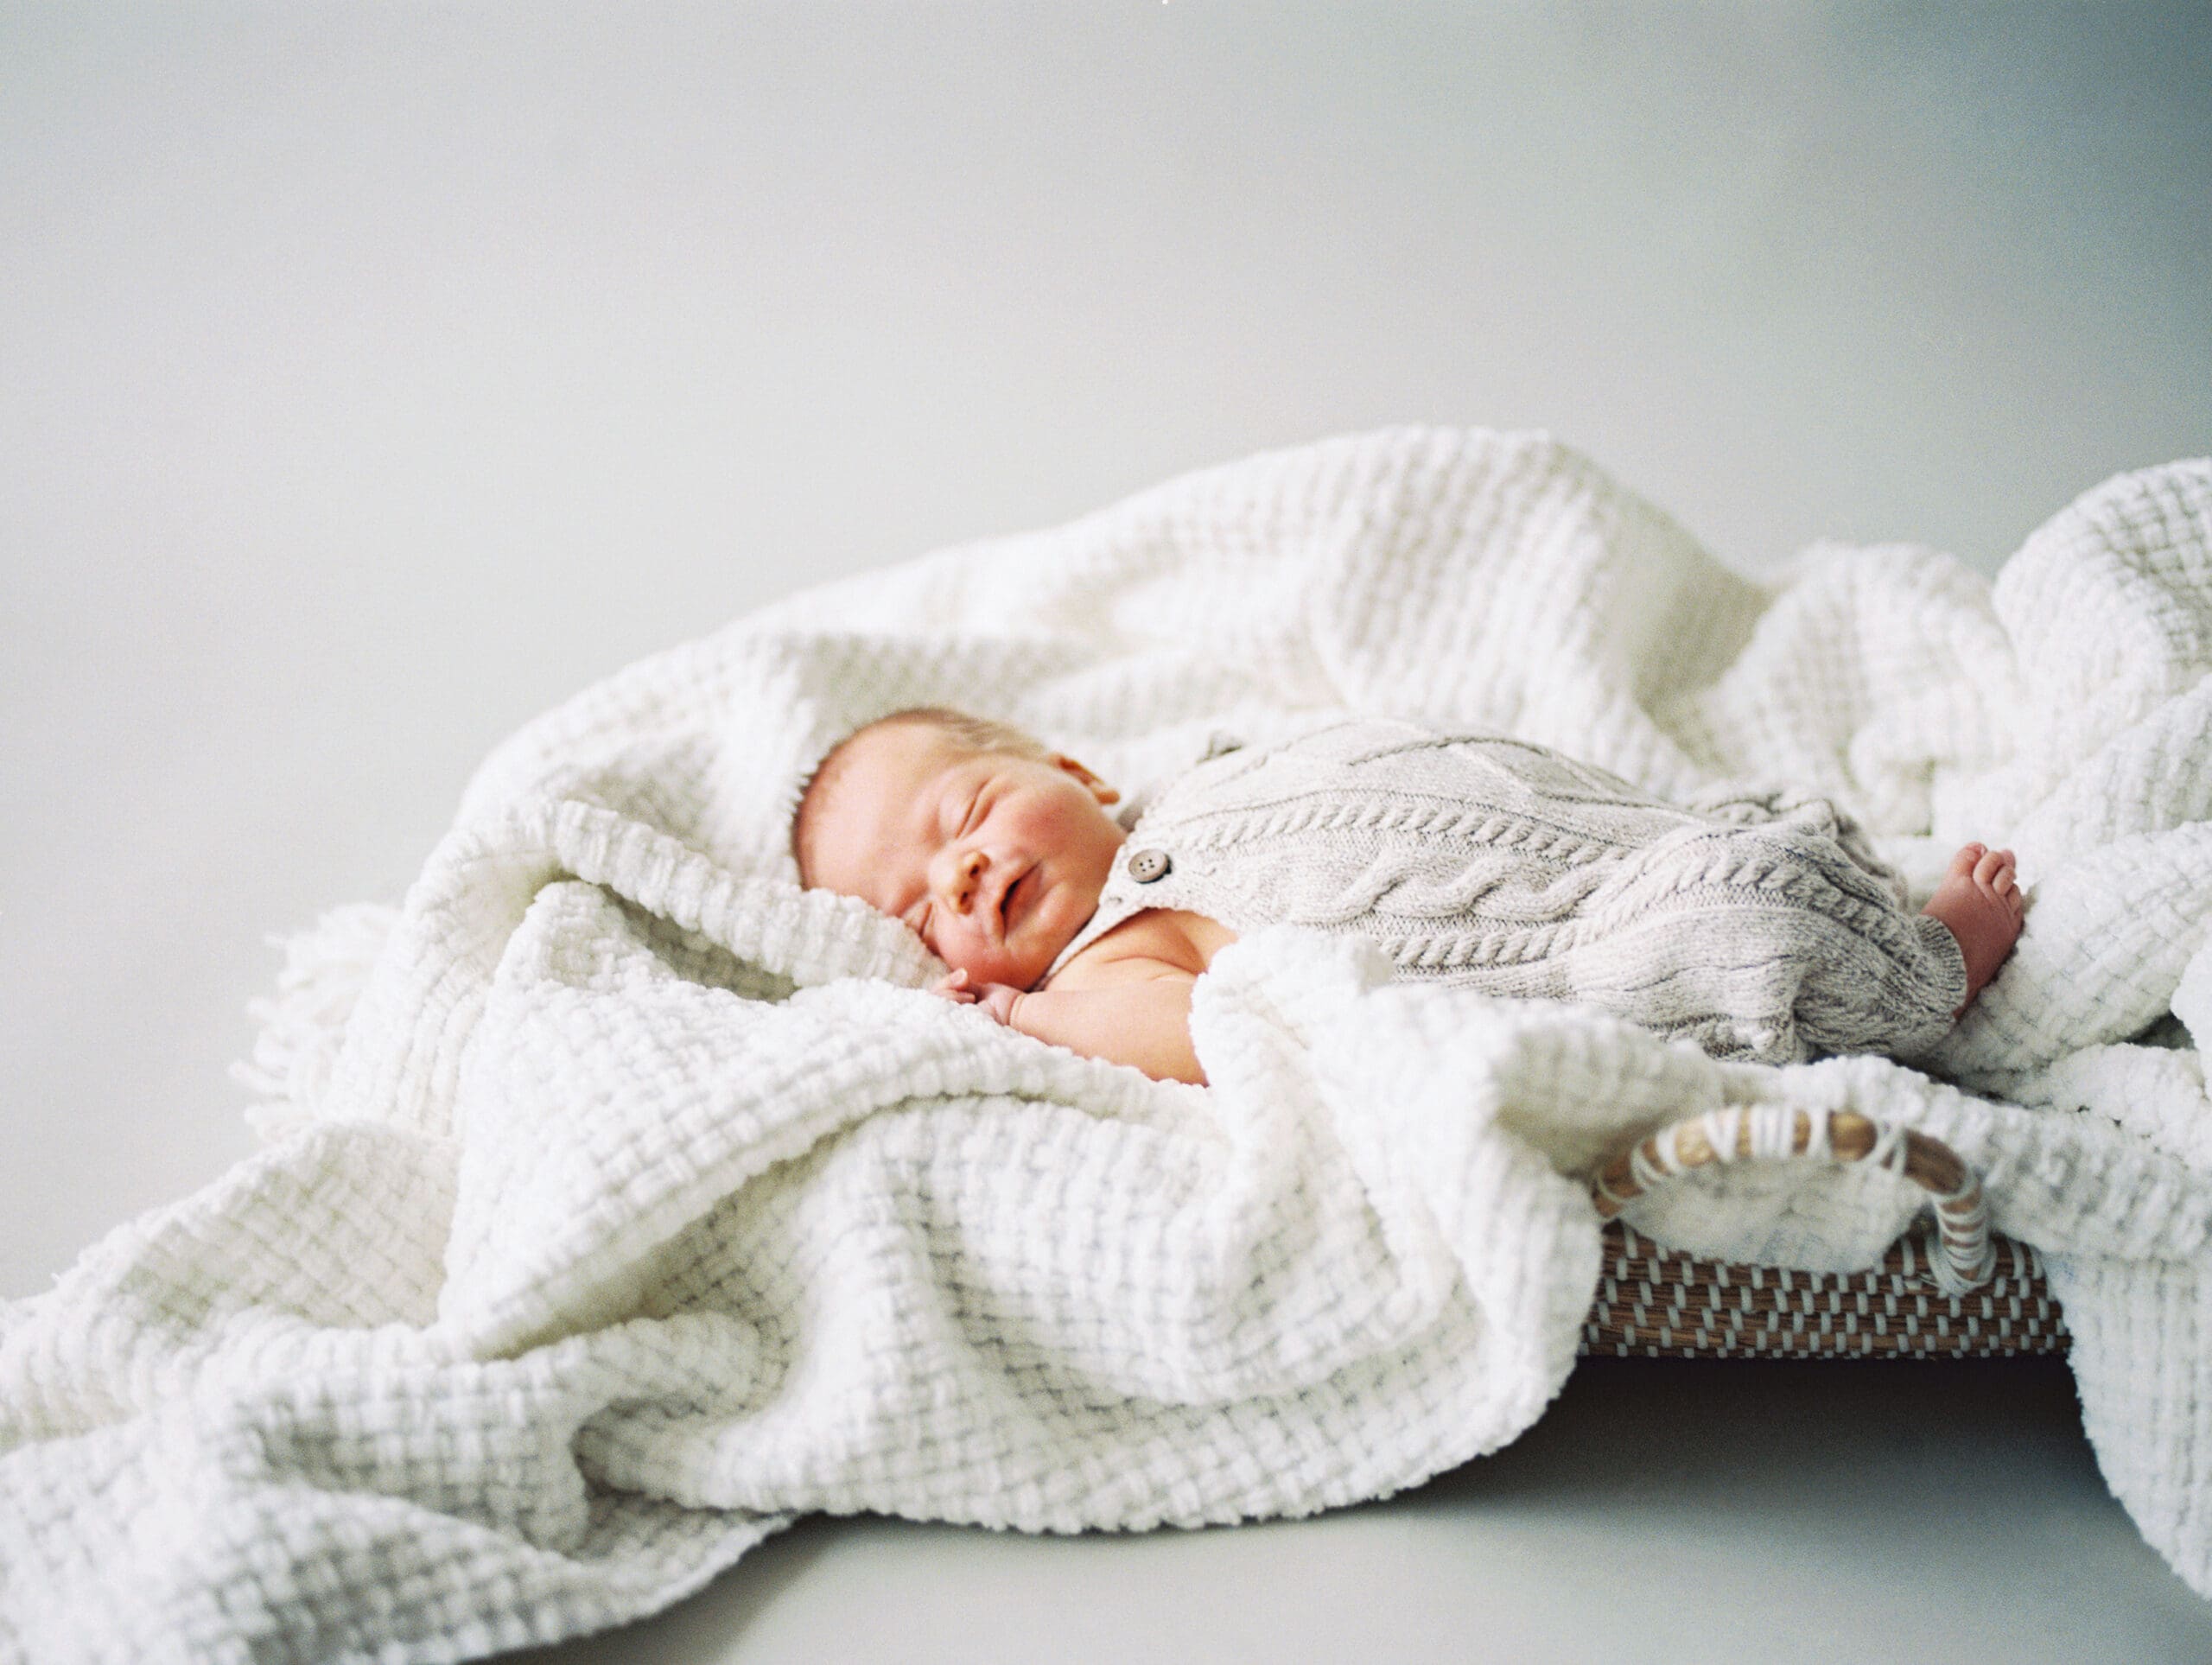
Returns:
(624, 1200)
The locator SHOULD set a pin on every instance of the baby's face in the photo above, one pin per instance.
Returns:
(996, 860)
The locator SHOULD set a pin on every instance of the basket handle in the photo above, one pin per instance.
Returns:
(1767, 1132)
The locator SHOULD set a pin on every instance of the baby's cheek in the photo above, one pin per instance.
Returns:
(974, 958)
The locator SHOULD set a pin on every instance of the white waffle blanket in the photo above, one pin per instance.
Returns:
(623, 1200)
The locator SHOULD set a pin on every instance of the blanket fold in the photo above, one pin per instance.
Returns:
(625, 1201)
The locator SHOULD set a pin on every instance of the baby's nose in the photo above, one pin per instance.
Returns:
(966, 879)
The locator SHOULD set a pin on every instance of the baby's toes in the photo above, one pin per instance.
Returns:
(1989, 865)
(1962, 864)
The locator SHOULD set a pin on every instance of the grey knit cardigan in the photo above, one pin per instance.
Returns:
(1762, 927)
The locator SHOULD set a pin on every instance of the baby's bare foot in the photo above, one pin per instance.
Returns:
(1979, 901)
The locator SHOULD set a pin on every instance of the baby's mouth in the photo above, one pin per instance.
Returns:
(1006, 903)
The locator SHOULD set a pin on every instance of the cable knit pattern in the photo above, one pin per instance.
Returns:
(624, 1200)
(1491, 864)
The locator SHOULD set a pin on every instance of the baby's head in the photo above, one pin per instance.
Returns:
(990, 845)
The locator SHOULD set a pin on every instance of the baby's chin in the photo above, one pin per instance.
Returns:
(1064, 932)
(1024, 973)
(1024, 970)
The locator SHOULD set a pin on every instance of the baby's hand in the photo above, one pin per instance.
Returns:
(997, 998)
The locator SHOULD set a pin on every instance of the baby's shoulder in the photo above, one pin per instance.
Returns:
(1158, 942)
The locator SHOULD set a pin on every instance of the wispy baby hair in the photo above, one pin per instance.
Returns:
(982, 735)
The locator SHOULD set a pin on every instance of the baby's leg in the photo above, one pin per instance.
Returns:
(1770, 943)
(1979, 902)
(1805, 813)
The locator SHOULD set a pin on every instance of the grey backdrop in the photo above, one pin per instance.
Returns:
(369, 378)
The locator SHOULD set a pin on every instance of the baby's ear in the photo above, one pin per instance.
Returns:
(1099, 789)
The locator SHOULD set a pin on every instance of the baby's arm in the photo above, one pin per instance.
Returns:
(1137, 1013)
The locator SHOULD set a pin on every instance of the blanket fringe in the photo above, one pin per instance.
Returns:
(301, 1025)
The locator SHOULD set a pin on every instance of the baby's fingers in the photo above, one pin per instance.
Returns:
(954, 987)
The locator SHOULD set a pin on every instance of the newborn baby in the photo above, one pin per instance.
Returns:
(1761, 928)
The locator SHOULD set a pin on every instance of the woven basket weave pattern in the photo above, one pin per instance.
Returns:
(1661, 1303)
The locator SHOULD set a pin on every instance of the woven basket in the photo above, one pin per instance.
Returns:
(1956, 1292)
